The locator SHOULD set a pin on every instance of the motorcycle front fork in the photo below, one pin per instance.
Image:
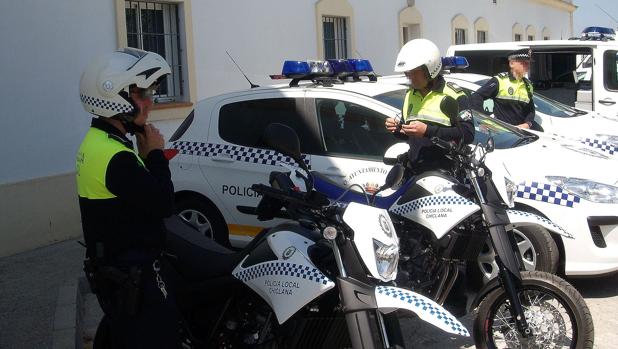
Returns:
(509, 262)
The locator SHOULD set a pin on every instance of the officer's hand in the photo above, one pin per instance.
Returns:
(414, 129)
(149, 140)
(391, 124)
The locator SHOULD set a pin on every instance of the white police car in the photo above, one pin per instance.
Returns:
(217, 156)
(553, 118)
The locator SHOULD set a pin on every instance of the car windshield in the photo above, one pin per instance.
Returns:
(548, 106)
(505, 136)
(554, 108)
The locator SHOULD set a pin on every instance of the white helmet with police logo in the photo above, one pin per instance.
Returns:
(104, 85)
(419, 52)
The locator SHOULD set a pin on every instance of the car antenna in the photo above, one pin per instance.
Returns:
(242, 72)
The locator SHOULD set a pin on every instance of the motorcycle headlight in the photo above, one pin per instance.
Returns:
(387, 258)
(587, 189)
(511, 191)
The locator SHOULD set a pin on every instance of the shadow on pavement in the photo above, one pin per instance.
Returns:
(597, 287)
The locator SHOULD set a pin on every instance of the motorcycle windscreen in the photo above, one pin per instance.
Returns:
(291, 281)
(389, 297)
(371, 226)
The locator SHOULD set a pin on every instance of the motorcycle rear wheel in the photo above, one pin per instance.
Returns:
(555, 311)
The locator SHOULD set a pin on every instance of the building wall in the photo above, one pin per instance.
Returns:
(46, 44)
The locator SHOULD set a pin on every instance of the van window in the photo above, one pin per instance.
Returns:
(610, 70)
(244, 122)
(486, 62)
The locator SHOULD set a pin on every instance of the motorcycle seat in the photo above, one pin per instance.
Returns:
(196, 257)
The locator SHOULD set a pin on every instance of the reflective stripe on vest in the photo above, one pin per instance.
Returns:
(93, 157)
(512, 90)
(425, 109)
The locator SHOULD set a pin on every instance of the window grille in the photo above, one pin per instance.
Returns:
(481, 36)
(154, 26)
(460, 36)
(335, 37)
(530, 37)
(517, 37)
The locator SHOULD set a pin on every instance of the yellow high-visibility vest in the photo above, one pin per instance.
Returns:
(513, 90)
(96, 151)
(417, 107)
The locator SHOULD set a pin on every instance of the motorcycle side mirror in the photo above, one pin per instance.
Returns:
(392, 153)
(394, 176)
(283, 139)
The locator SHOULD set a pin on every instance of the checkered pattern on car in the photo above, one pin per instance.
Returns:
(602, 145)
(430, 201)
(537, 217)
(103, 104)
(411, 298)
(283, 268)
(546, 193)
(237, 152)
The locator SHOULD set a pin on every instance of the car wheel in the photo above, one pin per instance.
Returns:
(536, 246)
(204, 217)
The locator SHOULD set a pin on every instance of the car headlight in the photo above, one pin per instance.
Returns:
(587, 189)
(511, 191)
(387, 258)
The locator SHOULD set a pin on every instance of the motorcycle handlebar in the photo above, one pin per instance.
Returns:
(266, 190)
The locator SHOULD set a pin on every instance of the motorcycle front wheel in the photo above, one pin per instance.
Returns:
(556, 314)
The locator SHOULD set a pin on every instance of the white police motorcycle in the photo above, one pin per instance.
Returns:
(323, 281)
(443, 223)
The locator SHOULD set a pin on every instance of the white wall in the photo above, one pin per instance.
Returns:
(44, 47)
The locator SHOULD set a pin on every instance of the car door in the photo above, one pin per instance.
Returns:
(353, 137)
(606, 89)
(236, 157)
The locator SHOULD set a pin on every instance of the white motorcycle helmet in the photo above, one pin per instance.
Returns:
(104, 85)
(419, 52)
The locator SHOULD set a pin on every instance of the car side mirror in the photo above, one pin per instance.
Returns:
(283, 139)
(490, 145)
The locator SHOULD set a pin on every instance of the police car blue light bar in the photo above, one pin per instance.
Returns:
(320, 71)
(598, 33)
(454, 62)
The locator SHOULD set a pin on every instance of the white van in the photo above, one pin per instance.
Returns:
(579, 73)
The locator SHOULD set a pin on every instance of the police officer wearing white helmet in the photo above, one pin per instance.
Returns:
(124, 196)
(431, 107)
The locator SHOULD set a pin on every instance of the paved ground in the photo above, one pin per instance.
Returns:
(30, 283)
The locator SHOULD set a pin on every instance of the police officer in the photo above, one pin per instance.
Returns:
(511, 92)
(431, 107)
(124, 196)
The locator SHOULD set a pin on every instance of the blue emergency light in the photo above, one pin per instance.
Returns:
(454, 62)
(332, 70)
(361, 66)
(598, 33)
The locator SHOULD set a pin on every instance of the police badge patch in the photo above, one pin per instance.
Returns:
(511, 91)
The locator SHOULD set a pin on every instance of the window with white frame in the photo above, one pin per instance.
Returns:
(335, 37)
(153, 26)
(460, 36)
(530, 37)
(517, 37)
(481, 36)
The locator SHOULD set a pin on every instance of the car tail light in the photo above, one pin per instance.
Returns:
(170, 153)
